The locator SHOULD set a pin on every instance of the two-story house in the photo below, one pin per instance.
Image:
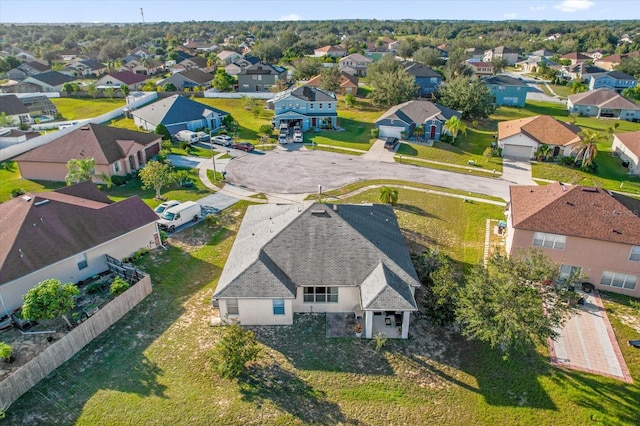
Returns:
(426, 79)
(307, 107)
(501, 52)
(613, 80)
(507, 90)
(480, 69)
(354, 64)
(587, 231)
(260, 77)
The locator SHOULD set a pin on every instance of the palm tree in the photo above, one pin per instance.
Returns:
(587, 150)
(80, 170)
(389, 195)
(453, 126)
(419, 131)
(543, 152)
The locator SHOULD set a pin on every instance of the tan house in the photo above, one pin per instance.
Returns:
(576, 57)
(480, 69)
(612, 61)
(122, 78)
(348, 83)
(116, 152)
(627, 146)
(66, 234)
(333, 51)
(354, 64)
(521, 138)
(587, 231)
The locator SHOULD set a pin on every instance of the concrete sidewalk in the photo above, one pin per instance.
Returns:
(587, 343)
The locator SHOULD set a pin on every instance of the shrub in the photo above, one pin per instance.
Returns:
(163, 237)
(488, 152)
(5, 350)
(375, 133)
(118, 286)
(16, 192)
(118, 180)
(567, 161)
(211, 219)
(184, 145)
(94, 288)
(137, 255)
(379, 340)
(233, 351)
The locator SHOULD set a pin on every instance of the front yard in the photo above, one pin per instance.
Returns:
(75, 108)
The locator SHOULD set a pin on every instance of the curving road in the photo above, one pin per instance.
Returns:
(298, 172)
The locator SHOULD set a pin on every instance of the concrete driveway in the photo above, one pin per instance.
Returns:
(297, 172)
(377, 152)
(516, 171)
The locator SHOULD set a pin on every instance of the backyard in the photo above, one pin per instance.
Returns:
(153, 366)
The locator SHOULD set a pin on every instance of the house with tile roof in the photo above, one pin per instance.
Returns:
(426, 79)
(50, 81)
(402, 119)
(603, 103)
(507, 90)
(116, 151)
(575, 57)
(627, 146)
(260, 77)
(348, 83)
(612, 61)
(289, 259)
(354, 64)
(333, 51)
(501, 52)
(188, 79)
(307, 107)
(614, 80)
(588, 231)
(66, 234)
(122, 78)
(178, 113)
(521, 138)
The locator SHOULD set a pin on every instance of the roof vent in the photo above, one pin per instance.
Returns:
(318, 212)
(335, 207)
(40, 203)
(564, 188)
(571, 204)
(617, 231)
(84, 128)
(589, 189)
(26, 198)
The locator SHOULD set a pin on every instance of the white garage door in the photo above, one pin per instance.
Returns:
(517, 151)
(390, 131)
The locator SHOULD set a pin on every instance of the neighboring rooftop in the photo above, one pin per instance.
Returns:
(543, 129)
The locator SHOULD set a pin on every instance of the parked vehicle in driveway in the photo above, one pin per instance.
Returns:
(298, 137)
(243, 146)
(203, 136)
(223, 140)
(390, 143)
(179, 215)
(164, 206)
(282, 138)
(186, 136)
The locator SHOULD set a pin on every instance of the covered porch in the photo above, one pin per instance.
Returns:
(392, 324)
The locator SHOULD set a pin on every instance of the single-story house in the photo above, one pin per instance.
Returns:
(116, 152)
(521, 138)
(197, 62)
(289, 259)
(404, 118)
(627, 146)
(178, 113)
(50, 81)
(86, 67)
(533, 63)
(603, 103)
(228, 57)
(585, 230)
(143, 66)
(507, 90)
(614, 80)
(14, 110)
(122, 78)
(348, 83)
(333, 51)
(354, 64)
(306, 106)
(188, 79)
(66, 234)
(612, 61)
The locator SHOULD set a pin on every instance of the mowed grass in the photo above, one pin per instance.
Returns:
(249, 122)
(153, 367)
(75, 109)
(10, 179)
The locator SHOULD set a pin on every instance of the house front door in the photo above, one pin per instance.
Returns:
(313, 122)
(432, 132)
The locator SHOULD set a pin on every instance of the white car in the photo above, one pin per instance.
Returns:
(282, 138)
(298, 138)
(165, 206)
(223, 140)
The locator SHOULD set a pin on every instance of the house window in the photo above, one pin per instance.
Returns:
(116, 167)
(635, 254)
(568, 271)
(232, 307)
(81, 260)
(320, 106)
(433, 80)
(278, 306)
(541, 239)
(311, 106)
(619, 280)
(321, 294)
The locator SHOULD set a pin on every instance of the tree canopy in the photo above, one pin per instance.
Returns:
(391, 84)
(471, 97)
(83, 169)
(155, 175)
(49, 299)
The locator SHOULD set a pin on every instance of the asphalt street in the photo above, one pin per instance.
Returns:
(301, 171)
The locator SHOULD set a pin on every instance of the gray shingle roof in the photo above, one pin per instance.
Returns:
(174, 109)
(418, 112)
(11, 105)
(53, 78)
(417, 69)
(279, 248)
(504, 80)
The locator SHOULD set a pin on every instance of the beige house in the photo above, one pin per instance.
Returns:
(290, 259)
(521, 138)
(585, 230)
(627, 146)
(116, 152)
(66, 234)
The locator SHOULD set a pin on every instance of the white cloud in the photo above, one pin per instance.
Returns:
(538, 8)
(511, 15)
(574, 5)
(291, 17)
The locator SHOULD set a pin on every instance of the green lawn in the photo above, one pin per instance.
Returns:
(74, 109)
(10, 179)
(249, 123)
(563, 91)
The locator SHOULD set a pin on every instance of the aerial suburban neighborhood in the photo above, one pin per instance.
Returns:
(323, 220)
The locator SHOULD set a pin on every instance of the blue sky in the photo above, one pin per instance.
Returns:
(19, 11)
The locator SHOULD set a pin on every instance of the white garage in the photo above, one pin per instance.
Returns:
(517, 151)
(390, 131)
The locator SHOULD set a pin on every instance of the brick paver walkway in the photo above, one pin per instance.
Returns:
(587, 343)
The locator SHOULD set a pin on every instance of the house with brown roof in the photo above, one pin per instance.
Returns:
(521, 138)
(480, 69)
(66, 234)
(143, 66)
(116, 152)
(575, 57)
(348, 83)
(195, 62)
(603, 103)
(586, 231)
(333, 51)
(627, 146)
(612, 61)
(354, 64)
(121, 78)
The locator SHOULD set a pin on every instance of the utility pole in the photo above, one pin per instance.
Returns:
(142, 13)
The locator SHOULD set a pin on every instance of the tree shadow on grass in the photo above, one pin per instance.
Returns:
(412, 209)
(289, 393)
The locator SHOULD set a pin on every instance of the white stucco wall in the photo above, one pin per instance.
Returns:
(348, 298)
(67, 270)
(626, 154)
(257, 312)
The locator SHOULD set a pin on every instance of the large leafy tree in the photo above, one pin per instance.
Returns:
(222, 81)
(428, 56)
(514, 302)
(236, 348)
(306, 68)
(454, 126)
(267, 50)
(49, 299)
(391, 84)
(330, 79)
(155, 175)
(83, 169)
(587, 150)
(471, 97)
